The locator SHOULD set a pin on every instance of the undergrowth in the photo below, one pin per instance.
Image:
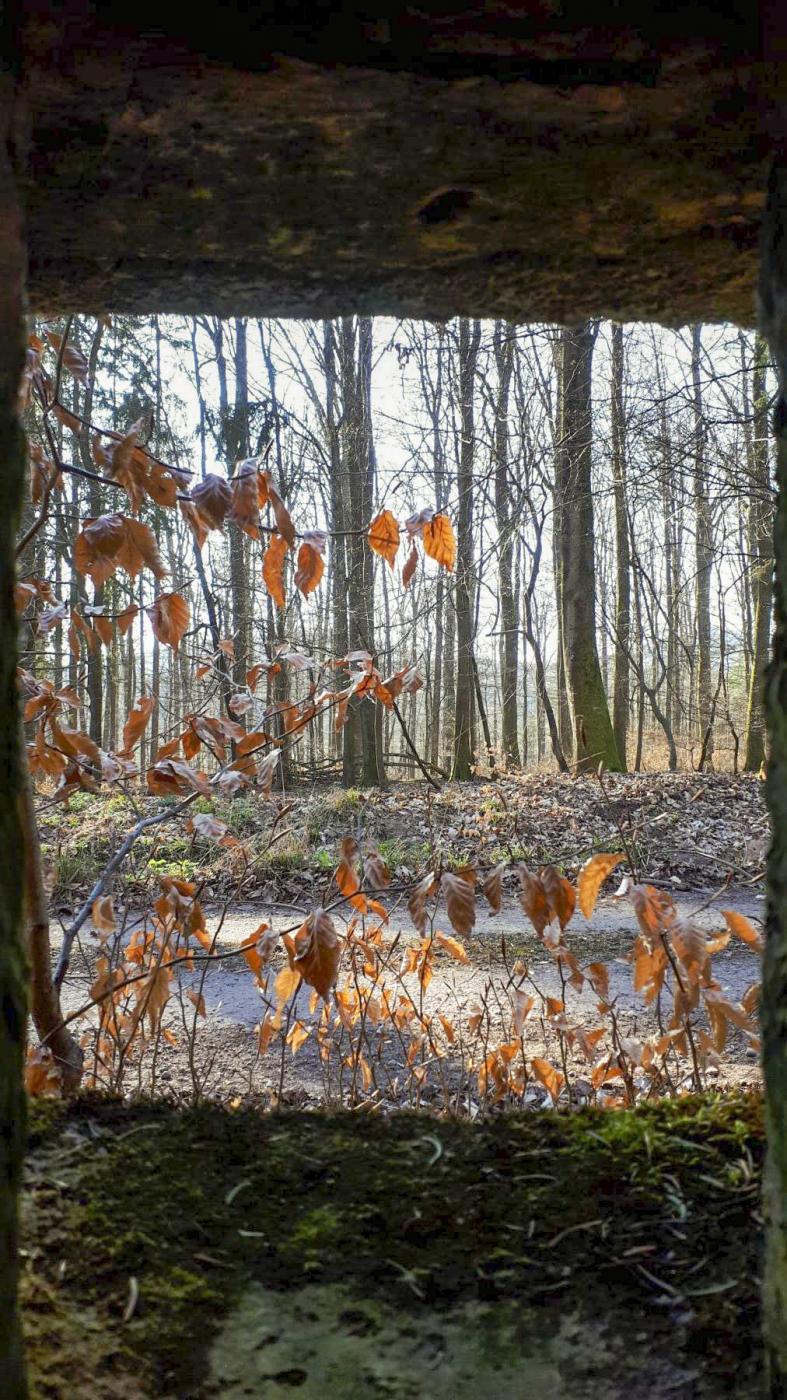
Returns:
(147, 1226)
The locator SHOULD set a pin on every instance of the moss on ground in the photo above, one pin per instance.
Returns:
(190, 1252)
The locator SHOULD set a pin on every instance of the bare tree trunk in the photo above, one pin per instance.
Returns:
(760, 543)
(95, 662)
(504, 358)
(594, 740)
(773, 302)
(703, 552)
(620, 692)
(464, 757)
(13, 987)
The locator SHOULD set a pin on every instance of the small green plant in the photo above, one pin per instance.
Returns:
(176, 869)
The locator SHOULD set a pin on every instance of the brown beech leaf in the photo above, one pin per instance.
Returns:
(103, 628)
(266, 770)
(690, 946)
(161, 485)
(523, 1005)
(346, 875)
(169, 617)
(492, 887)
(560, 893)
(383, 536)
(309, 568)
(416, 900)
(282, 516)
(598, 974)
(212, 498)
(193, 518)
(410, 567)
(245, 500)
(173, 775)
(125, 618)
(208, 826)
(273, 568)
(439, 541)
(103, 915)
(533, 898)
(459, 897)
(136, 723)
(591, 877)
(375, 871)
(314, 952)
(197, 999)
(550, 1077)
(67, 419)
(73, 359)
(743, 929)
(452, 946)
(116, 541)
(655, 909)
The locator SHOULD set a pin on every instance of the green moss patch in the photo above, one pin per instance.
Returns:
(204, 1252)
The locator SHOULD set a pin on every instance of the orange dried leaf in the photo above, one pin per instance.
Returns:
(550, 1077)
(560, 893)
(410, 567)
(169, 617)
(309, 568)
(533, 898)
(136, 722)
(316, 952)
(591, 877)
(452, 946)
(197, 999)
(743, 928)
(273, 568)
(383, 536)
(439, 541)
(286, 983)
(125, 619)
(244, 504)
(103, 915)
(282, 516)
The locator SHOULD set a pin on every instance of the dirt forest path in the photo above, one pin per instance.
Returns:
(226, 1045)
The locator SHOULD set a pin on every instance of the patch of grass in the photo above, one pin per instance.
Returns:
(74, 866)
(397, 851)
(246, 814)
(287, 855)
(331, 811)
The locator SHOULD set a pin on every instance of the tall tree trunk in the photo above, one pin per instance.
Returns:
(703, 555)
(773, 302)
(621, 682)
(236, 436)
(504, 359)
(95, 660)
(594, 739)
(760, 544)
(13, 989)
(464, 757)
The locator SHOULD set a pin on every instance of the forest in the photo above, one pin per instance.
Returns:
(392, 708)
(608, 490)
